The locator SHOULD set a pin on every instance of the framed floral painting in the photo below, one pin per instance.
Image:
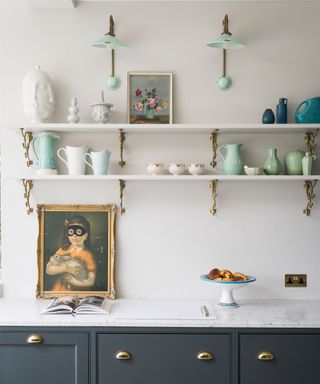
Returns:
(149, 97)
(76, 250)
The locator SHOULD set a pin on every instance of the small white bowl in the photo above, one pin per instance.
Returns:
(253, 171)
(155, 168)
(196, 169)
(177, 169)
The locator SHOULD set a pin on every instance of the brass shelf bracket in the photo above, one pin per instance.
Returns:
(213, 186)
(27, 184)
(214, 145)
(309, 138)
(309, 187)
(27, 138)
(122, 138)
(122, 185)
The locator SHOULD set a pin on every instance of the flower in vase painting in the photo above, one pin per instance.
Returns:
(150, 97)
(149, 102)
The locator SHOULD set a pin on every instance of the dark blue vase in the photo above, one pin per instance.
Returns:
(268, 117)
(282, 111)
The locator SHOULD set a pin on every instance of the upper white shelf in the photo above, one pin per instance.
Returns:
(169, 128)
(168, 178)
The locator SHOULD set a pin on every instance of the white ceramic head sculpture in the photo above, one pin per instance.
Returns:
(37, 96)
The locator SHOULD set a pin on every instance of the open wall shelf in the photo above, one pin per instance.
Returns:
(169, 128)
(310, 131)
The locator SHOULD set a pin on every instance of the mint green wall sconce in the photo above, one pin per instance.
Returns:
(224, 42)
(110, 42)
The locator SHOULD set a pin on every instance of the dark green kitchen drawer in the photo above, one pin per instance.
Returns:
(163, 358)
(279, 359)
(50, 358)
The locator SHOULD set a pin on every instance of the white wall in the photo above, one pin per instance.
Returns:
(168, 237)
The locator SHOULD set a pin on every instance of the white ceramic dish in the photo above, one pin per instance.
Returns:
(196, 169)
(177, 169)
(156, 168)
(253, 171)
(226, 299)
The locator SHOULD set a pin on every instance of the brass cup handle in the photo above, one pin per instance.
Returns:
(205, 355)
(266, 356)
(123, 355)
(35, 339)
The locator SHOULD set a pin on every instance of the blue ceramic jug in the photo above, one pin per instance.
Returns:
(308, 112)
(45, 154)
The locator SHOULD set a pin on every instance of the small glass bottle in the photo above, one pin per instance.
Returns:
(307, 163)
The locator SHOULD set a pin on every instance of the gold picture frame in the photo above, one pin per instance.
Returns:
(76, 250)
(149, 97)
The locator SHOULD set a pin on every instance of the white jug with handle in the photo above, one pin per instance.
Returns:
(74, 159)
(99, 161)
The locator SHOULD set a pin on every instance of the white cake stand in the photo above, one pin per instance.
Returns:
(226, 299)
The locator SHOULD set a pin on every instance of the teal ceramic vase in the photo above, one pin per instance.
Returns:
(149, 112)
(232, 161)
(45, 153)
(307, 163)
(272, 165)
(293, 162)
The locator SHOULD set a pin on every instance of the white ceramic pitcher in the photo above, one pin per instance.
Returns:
(74, 159)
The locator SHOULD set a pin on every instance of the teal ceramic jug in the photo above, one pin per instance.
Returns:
(232, 161)
(45, 153)
(293, 162)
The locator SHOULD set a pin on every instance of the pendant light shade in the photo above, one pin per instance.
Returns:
(226, 41)
(109, 42)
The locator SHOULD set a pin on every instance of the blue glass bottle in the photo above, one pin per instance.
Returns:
(281, 115)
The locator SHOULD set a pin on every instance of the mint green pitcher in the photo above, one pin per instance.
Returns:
(45, 153)
(232, 161)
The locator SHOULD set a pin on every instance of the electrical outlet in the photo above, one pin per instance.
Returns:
(297, 280)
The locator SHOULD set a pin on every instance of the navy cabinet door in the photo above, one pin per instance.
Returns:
(296, 359)
(163, 358)
(61, 358)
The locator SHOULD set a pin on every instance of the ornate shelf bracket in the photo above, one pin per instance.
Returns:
(309, 138)
(27, 184)
(214, 145)
(213, 186)
(122, 185)
(122, 139)
(309, 187)
(27, 138)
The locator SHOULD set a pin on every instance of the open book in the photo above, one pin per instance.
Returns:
(73, 304)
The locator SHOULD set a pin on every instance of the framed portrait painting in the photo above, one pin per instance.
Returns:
(149, 97)
(76, 250)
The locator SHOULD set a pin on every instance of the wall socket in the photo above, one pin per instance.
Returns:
(295, 280)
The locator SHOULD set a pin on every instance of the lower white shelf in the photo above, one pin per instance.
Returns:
(309, 183)
(168, 178)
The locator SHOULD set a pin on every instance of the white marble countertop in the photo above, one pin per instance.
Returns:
(253, 313)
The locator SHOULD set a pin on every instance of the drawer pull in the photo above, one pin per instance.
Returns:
(123, 355)
(35, 339)
(205, 356)
(266, 356)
